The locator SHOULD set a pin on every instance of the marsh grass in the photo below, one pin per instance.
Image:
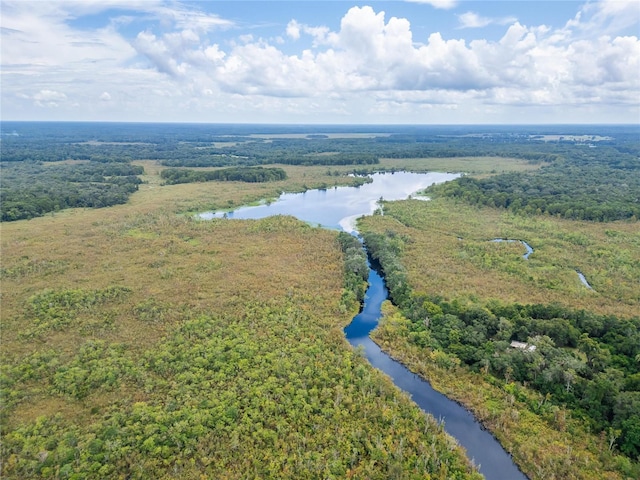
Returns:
(449, 252)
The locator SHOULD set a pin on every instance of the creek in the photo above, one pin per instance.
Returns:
(529, 248)
(338, 208)
(583, 280)
(525, 244)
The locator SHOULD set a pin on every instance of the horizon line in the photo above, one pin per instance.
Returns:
(322, 124)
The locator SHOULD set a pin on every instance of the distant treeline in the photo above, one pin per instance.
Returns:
(600, 184)
(583, 360)
(579, 180)
(174, 176)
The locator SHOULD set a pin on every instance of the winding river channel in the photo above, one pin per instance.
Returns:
(339, 208)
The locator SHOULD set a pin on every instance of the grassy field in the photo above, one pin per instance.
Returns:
(450, 253)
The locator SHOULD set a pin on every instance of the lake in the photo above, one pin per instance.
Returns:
(339, 207)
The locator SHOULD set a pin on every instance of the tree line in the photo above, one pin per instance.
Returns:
(601, 184)
(356, 270)
(578, 180)
(173, 176)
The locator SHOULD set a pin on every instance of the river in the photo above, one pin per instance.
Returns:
(339, 208)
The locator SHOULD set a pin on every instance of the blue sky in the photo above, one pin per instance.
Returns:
(398, 62)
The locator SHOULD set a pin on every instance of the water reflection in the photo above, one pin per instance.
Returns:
(338, 208)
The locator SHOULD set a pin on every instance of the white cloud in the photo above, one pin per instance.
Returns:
(370, 64)
(49, 98)
(444, 4)
(185, 18)
(473, 20)
(605, 17)
(321, 35)
(158, 52)
(293, 30)
(610, 16)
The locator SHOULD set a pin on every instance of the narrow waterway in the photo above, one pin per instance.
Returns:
(529, 249)
(482, 448)
(339, 208)
(525, 244)
(583, 280)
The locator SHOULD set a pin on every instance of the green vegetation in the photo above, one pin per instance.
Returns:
(31, 189)
(56, 310)
(173, 176)
(576, 181)
(473, 165)
(599, 184)
(447, 251)
(264, 393)
(546, 440)
(463, 299)
(356, 271)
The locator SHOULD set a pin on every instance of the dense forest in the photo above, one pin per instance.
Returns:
(31, 189)
(599, 184)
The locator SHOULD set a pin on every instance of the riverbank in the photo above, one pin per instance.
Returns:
(481, 447)
(551, 446)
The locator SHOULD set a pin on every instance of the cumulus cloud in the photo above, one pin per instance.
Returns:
(371, 62)
(372, 53)
(293, 30)
(321, 35)
(162, 52)
(369, 53)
